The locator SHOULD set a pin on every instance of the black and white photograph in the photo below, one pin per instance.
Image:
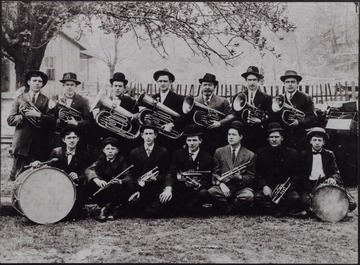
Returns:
(179, 132)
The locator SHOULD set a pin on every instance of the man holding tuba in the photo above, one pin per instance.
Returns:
(277, 172)
(31, 117)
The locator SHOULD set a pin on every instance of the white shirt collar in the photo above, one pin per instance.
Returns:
(31, 93)
(204, 97)
(236, 149)
(163, 95)
(112, 160)
(151, 147)
(194, 153)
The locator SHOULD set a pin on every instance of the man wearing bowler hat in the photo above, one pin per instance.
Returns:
(31, 117)
(277, 164)
(233, 190)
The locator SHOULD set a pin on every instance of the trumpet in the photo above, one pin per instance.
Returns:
(151, 174)
(228, 175)
(246, 111)
(26, 106)
(192, 176)
(279, 191)
(289, 113)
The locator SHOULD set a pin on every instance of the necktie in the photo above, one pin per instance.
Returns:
(148, 152)
(33, 99)
(316, 153)
(233, 156)
(191, 157)
(207, 100)
(251, 98)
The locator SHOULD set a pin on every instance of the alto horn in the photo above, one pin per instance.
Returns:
(289, 113)
(246, 111)
(66, 113)
(27, 105)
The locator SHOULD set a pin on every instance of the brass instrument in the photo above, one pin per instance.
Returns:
(228, 175)
(192, 176)
(158, 113)
(115, 118)
(289, 113)
(246, 111)
(66, 113)
(203, 115)
(27, 105)
(151, 174)
(279, 191)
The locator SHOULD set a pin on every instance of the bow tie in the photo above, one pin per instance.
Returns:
(316, 152)
(70, 153)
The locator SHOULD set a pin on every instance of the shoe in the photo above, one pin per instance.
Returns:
(301, 214)
(110, 217)
(278, 214)
(102, 216)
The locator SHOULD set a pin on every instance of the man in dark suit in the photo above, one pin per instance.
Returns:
(145, 158)
(234, 192)
(295, 127)
(30, 142)
(183, 194)
(254, 132)
(277, 164)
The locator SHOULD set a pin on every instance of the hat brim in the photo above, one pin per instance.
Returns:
(73, 80)
(275, 130)
(239, 129)
(284, 77)
(310, 134)
(142, 128)
(44, 77)
(245, 75)
(110, 141)
(120, 80)
(210, 81)
(192, 134)
(161, 72)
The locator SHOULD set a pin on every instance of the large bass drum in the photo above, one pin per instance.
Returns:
(329, 202)
(44, 195)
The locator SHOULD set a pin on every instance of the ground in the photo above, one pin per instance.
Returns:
(219, 239)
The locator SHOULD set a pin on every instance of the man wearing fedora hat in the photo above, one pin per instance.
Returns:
(145, 158)
(295, 131)
(235, 192)
(275, 164)
(182, 194)
(319, 166)
(30, 143)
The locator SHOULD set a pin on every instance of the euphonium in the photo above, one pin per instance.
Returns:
(27, 105)
(289, 113)
(66, 113)
(203, 115)
(158, 113)
(279, 191)
(115, 118)
(246, 111)
(228, 175)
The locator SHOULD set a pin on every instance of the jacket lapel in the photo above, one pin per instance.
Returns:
(227, 156)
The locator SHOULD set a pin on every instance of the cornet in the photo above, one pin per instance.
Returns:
(151, 174)
(279, 191)
(228, 175)
(289, 113)
(246, 111)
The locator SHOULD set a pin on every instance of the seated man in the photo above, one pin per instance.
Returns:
(234, 173)
(190, 192)
(276, 165)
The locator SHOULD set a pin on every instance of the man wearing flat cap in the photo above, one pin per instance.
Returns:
(32, 118)
(146, 158)
(277, 164)
(295, 125)
(233, 174)
(187, 193)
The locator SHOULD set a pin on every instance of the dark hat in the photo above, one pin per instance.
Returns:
(148, 125)
(110, 140)
(274, 127)
(43, 76)
(317, 130)
(209, 78)
(238, 125)
(193, 130)
(252, 70)
(164, 72)
(290, 73)
(119, 77)
(69, 128)
(70, 77)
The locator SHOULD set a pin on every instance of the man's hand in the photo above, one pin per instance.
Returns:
(192, 184)
(294, 124)
(35, 164)
(215, 124)
(32, 113)
(166, 195)
(141, 183)
(331, 181)
(72, 121)
(73, 175)
(99, 182)
(267, 191)
(115, 181)
(168, 127)
(254, 120)
(225, 189)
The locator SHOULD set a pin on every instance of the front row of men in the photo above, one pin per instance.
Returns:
(235, 180)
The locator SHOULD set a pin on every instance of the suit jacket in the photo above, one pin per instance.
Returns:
(181, 162)
(173, 101)
(223, 163)
(26, 134)
(129, 104)
(275, 165)
(159, 157)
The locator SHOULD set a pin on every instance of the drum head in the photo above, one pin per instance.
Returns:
(47, 195)
(330, 203)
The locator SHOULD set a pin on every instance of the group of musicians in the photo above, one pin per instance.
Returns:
(170, 155)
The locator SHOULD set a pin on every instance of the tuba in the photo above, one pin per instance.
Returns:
(115, 118)
(289, 113)
(203, 115)
(27, 105)
(279, 191)
(246, 111)
(158, 113)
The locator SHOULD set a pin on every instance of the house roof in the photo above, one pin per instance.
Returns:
(82, 48)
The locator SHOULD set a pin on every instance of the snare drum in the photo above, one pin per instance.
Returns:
(44, 195)
(329, 202)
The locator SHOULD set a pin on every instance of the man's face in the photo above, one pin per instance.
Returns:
(149, 136)
(207, 88)
(275, 139)
(70, 87)
(118, 88)
(317, 142)
(193, 143)
(234, 137)
(110, 151)
(252, 82)
(35, 83)
(291, 84)
(164, 83)
(71, 140)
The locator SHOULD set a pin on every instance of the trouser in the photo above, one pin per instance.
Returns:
(149, 204)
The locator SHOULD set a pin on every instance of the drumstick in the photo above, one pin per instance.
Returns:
(44, 163)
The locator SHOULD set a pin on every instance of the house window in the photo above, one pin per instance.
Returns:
(50, 67)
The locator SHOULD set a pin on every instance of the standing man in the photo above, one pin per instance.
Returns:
(295, 126)
(254, 132)
(277, 164)
(235, 191)
(32, 118)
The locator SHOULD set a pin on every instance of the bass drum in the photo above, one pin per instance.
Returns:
(329, 202)
(44, 195)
